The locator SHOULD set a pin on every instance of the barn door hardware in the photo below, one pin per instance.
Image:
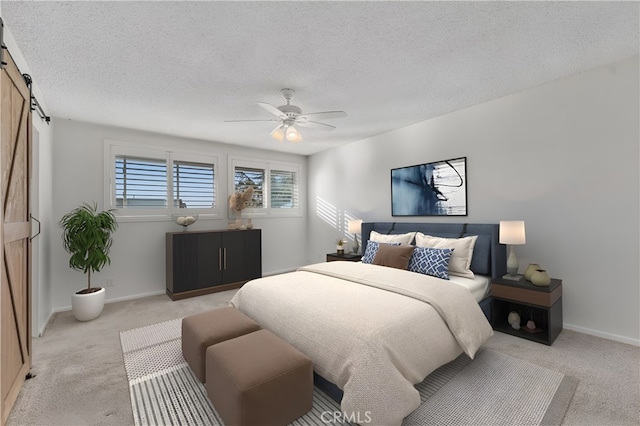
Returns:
(2, 46)
(39, 227)
(35, 105)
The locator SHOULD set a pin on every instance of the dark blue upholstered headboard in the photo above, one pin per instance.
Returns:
(489, 256)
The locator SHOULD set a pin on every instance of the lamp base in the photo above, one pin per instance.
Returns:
(356, 247)
(516, 277)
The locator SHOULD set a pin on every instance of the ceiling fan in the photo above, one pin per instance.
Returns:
(291, 116)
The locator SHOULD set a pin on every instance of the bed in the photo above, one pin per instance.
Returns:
(376, 331)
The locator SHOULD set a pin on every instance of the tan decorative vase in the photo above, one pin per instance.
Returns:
(540, 278)
(530, 270)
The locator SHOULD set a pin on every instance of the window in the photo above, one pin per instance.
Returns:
(244, 177)
(193, 185)
(148, 181)
(284, 189)
(275, 186)
(140, 182)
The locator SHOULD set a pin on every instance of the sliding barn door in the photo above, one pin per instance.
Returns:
(15, 250)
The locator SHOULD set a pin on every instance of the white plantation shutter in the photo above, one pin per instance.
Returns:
(245, 177)
(276, 186)
(284, 189)
(140, 182)
(193, 185)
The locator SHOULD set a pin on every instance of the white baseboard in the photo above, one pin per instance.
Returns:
(117, 299)
(609, 336)
(46, 323)
(136, 296)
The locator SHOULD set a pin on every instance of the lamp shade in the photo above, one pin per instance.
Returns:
(512, 232)
(355, 226)
(292, 134)
(278, 133)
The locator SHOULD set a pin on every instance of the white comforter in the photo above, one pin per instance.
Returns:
(374, 331)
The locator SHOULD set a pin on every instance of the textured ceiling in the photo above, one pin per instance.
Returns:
(183, 68)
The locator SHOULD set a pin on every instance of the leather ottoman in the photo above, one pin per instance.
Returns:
(259, 379)
(208, 328)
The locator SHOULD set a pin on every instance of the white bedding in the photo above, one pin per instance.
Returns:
(368, 329)
(478, 285)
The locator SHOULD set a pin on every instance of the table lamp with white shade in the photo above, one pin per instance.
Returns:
(355, 225)
(512, 233)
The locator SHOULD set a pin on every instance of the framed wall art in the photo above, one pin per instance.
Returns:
(430, 189)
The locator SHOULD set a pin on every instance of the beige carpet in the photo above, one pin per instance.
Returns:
(80, 377)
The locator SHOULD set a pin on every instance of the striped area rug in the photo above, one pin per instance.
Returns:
(494, 389)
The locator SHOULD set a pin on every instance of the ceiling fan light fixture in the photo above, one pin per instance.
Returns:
(288, 115)
(278, 133)
(293, 135)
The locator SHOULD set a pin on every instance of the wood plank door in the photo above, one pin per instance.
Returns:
(15, 247)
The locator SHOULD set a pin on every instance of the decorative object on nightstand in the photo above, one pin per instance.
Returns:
(541, 278)
(354, 228)
(530, 270)
(512, 233)
(340, 246)
(514, 320)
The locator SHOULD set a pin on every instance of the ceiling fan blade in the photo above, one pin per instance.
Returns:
(314, 125)
(325, 115)
(273, 110)
(237, 121)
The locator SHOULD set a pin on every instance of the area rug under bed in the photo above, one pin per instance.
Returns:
(493, 389)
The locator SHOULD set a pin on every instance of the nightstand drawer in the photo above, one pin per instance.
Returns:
(525, 295)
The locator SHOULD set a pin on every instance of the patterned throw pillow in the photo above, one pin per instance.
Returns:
(431, 261)
(460, 262)
(372, 249)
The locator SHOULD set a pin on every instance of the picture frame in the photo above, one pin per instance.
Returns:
(438, 188)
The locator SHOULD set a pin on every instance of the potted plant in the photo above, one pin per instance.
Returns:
(86, 236)
(340, 246)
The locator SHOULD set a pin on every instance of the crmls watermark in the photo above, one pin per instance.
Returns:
(343, 417)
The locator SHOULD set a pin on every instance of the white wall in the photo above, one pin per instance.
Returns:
(138, 252)
(41, 308)
(562, 156)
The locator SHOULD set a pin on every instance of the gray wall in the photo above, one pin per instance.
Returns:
(563, 157)
(138, 252)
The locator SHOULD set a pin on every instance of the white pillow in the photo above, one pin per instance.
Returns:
(393, 238)
(460, 260)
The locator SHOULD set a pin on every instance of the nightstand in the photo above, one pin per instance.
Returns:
(349, 257)
(543, 305)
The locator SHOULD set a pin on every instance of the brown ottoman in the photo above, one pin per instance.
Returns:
(259, 379)
(208, 328)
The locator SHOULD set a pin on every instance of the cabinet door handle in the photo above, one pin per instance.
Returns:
(220, 259)
(225, 258)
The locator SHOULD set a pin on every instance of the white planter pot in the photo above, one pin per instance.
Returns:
(89, 306)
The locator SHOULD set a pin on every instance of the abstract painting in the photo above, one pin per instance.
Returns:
(430, 189)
